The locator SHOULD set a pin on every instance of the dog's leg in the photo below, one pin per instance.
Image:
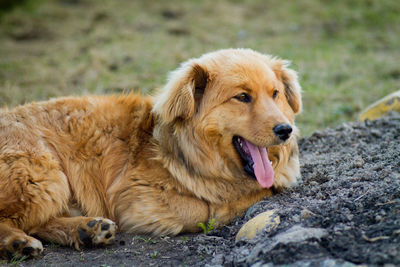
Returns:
(224, 213)
(77, 231)
(15, 243)
(33, 189)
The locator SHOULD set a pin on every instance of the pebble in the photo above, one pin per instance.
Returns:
(323, 263)
(298, 234)
(265, 221)
(378, 218)
(218, 260)
(306, 214)
(358, 161)
(295, 234)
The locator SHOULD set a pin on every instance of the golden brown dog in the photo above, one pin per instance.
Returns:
(218, 138)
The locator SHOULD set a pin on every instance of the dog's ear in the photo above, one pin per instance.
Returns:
(181, 96)
(291, 83)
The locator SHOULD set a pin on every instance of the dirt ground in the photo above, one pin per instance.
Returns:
(344, 212)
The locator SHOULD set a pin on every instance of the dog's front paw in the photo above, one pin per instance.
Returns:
(97, 231)
(21, 246)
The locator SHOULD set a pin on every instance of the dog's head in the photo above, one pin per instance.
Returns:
(225, 110)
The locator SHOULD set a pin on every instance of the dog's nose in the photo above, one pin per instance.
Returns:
(283, 131)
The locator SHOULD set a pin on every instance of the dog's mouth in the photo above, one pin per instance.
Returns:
(255, 161)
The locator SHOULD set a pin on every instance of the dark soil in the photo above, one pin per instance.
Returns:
(345, 211)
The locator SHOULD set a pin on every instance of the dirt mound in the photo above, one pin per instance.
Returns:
(350, 189)
(345, 211)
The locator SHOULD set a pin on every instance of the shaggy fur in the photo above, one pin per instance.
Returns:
(152, 165)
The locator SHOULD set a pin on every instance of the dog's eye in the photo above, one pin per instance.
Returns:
(275, 94)
(243, 97)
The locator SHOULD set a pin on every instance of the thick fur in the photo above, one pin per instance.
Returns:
(153, 165)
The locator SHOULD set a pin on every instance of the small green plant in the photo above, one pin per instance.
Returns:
(147, 240)
(207, 228)
(17, 260)
(154, 254)
(81, 258)
(184, 238)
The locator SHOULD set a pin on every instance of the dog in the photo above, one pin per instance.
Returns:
(219, 137)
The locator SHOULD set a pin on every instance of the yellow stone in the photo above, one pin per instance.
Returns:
(381, 107)
(268, 220)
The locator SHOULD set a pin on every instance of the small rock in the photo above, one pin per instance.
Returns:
(267, 221)
(382, 107)
(296, 234)
(218, 259)
(358, 162)
(299, 234)
(376, 133)
(306, 214)
(260, 264)
(324, 263)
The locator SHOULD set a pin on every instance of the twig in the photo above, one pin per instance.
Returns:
(386, 203)
(363, 195)
(374, 239)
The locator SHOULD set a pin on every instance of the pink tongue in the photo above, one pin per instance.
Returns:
(262, 166)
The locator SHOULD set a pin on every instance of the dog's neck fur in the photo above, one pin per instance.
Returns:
(203, 183)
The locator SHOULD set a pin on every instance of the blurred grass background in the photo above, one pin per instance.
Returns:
(347, 52)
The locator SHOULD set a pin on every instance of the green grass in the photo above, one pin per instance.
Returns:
(346, 51)
(154, 254)
(208, 227)
(17, 260)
